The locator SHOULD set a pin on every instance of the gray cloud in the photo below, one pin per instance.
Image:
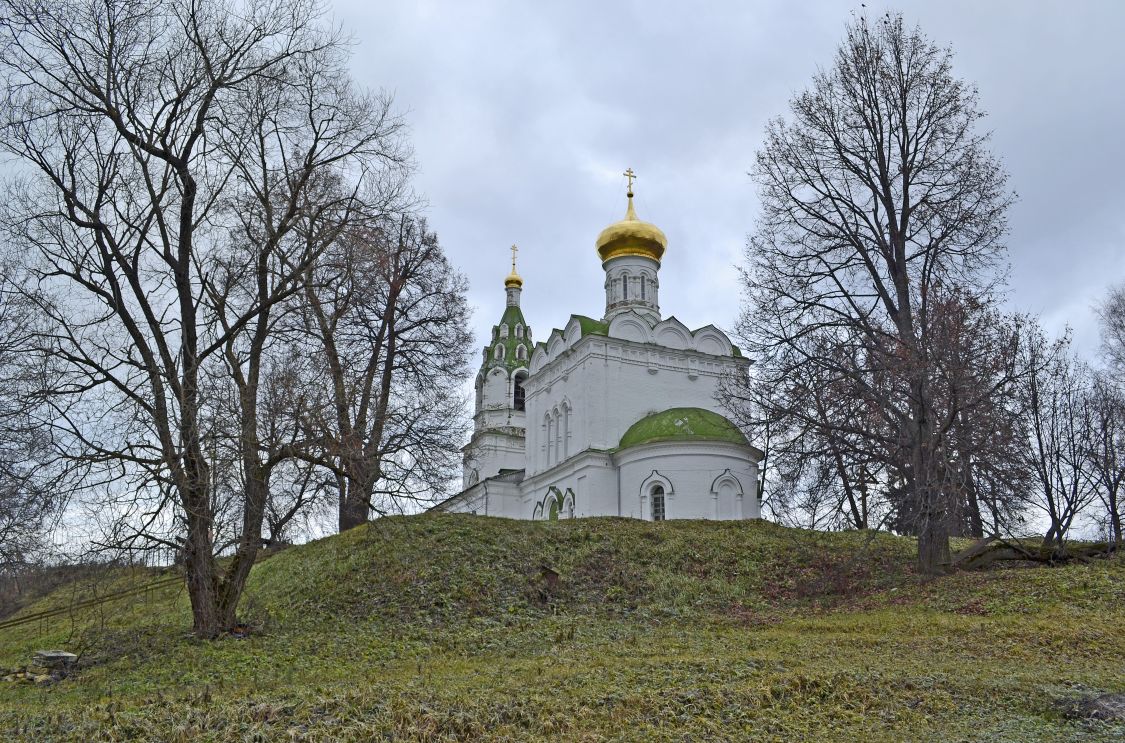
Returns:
(523, 116)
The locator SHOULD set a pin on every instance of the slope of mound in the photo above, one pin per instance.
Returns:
(453, 567)
(453, 627)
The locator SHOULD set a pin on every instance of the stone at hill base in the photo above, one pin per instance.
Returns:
(55, 660)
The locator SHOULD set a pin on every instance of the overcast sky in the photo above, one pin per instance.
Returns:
(524, 114)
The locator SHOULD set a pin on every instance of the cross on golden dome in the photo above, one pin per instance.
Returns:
(631, 236)
(513, 279)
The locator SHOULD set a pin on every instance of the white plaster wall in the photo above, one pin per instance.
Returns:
(489, 498)
(635, 269)
(699, 480)
(491, 451)
(590, 475)
(610, 384)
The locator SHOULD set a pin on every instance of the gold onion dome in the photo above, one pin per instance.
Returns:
(631, 236)
(513, 280)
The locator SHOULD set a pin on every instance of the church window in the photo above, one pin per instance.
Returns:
(558, 434)
(519, 396)
(624, 286)
(519, 330)
(565, 431)
(499, 353)
(549, 436)
(521, 352)
(504, 330)
(644, 281)
(658, 503)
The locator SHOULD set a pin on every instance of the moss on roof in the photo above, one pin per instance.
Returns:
(682, 424)
(512, 317)
(590, 326)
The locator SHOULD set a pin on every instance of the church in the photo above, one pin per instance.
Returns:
(617, 416)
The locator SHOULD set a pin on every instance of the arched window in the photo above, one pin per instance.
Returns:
(519, 330)
(644, 282)
(519, 396)
(548, 436)
(504, 330)
(521, 352)
(624, 286)
(499, 353)
(558, 435)
(657, 502)
(565, 435)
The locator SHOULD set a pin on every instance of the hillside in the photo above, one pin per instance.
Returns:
(447, 627)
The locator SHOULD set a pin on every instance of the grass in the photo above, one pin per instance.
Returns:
(446, 627)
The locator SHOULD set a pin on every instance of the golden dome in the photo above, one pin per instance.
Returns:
(631, 236)
(513, 280)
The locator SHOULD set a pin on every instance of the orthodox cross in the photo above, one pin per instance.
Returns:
(514, 251)
(630, 175)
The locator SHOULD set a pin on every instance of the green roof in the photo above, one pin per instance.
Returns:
(590, 326)
(682, 424)
(512, 317)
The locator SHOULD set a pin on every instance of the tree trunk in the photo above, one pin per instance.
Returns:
(933, 549)
(199, 562)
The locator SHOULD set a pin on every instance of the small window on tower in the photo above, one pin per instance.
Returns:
(499, 353)
(521, 352)
(519, 330)
(519, 395)
(644, 280)
(625, 286)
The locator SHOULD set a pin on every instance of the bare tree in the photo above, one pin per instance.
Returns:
(288, 204)
(385, 317)
(31, 487)
(1112, 315)
(143, 125)
(1106, 457)
(1060, 423)
(876, 191)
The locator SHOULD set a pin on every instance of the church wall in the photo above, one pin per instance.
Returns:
(607, 384)
(491, 451)
(702, 480)
(591, 476)
(489, 498)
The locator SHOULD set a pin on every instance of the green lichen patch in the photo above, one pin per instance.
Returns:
(682, 424)
(590, 326)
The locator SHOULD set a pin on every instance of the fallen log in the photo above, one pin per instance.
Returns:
(986, 552)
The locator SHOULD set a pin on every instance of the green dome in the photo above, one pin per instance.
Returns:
(682, 424)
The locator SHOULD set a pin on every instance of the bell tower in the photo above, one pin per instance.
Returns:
(500, 418)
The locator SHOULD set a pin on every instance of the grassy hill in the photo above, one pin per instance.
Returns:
(446, 627)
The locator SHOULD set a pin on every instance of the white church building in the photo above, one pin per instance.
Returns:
(617, 416)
